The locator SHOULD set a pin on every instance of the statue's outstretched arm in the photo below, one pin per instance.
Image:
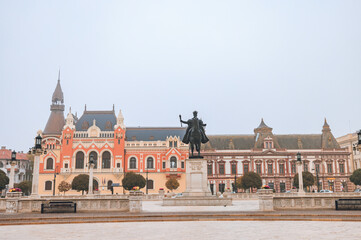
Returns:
(180, 119)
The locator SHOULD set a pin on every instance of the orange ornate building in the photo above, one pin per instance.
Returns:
(156, 153)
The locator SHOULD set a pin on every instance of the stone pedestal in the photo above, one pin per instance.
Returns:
(265, 198)
(12, 202)
(197, 192)
(196, 178)
(35, 185)
(300, 179)
(135, 201)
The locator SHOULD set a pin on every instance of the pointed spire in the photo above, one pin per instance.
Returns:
(59, 75)
(120, 120)
(85, 108)
(113, 107)
(326, 127)
(58, 93)
(262, 124)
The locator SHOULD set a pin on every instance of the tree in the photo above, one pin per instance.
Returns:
(81, 183)
(64, 186)
(4, 180)
(132, 180)
(172, 184)
(308, 179)
(25, 187)
(251, 180)
(356, 177)
(239, 183)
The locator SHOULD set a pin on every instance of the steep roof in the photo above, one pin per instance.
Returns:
(105, 120)
(243, 142)
(58, 95)
(153, 133)
(56, 120)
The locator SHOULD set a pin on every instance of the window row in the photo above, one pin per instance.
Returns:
(270, 168)
(150, 163)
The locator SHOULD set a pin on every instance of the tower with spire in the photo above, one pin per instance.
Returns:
(56, 120)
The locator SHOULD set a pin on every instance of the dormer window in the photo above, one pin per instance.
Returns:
(268, 143)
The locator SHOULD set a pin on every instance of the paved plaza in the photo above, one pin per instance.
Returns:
(237, 205)
(188, 230)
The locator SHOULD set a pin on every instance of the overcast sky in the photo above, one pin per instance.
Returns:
(291, 62)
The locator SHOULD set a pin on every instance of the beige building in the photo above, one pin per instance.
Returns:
(349, 141)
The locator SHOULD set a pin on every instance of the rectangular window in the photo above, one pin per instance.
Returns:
(317, 168)
(210, 169)
(234, 169)
(221, 169)
(305, 167)
(163, 165)
(175, 144)
(259, 168)
(270, 169)
(118, 165)
(329, 168)
(66, 165)
(342, 168)
(182, 164)
(282, 169)
(293, 167)
(170, 143)
(245, 168)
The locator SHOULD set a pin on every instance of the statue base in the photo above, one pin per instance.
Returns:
(197, 192)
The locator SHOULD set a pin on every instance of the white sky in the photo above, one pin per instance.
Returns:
(291, 62)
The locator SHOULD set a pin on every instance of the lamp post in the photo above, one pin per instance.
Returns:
(235, 183)
(146, 184)
(12, 169)
(91, 167)
(300, 177)
(55, 173)
(37, 150)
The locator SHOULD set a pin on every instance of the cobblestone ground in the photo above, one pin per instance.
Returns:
(187, 230)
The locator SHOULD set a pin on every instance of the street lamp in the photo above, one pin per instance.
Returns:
(300, 177)
(37, 150)
(12, 169)
(55, 173)
(146, 185)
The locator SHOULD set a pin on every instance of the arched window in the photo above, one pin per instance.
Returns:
(106, 160)
(95, 185)
(109, 185)
(150, 184)
(1, 164)
(132, 163)
(95, 158)
(173, 162)
(48, 185)
(79, 160)
(150, 162)
(49, 163)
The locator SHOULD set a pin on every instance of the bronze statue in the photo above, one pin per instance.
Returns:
(195, 134)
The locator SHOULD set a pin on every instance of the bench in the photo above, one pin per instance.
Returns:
(59, 206)
(348, 204)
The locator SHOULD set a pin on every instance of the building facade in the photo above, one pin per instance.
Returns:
(23, 168)
(159, 154)
(273, 157)
(349, 142)
(156, 153)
